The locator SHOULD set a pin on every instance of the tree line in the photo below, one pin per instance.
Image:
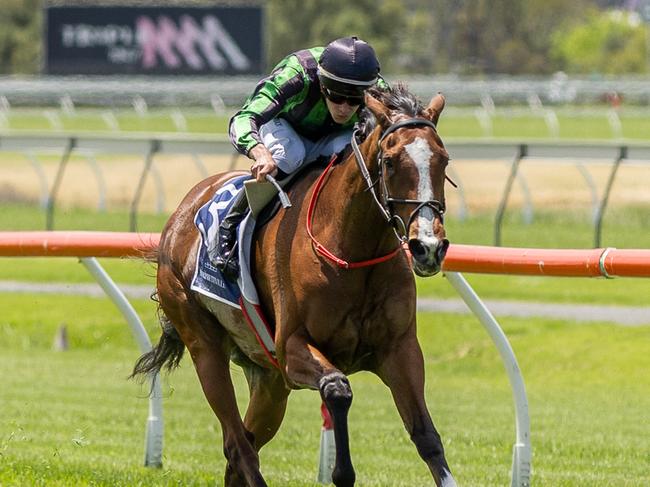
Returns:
(464, 37)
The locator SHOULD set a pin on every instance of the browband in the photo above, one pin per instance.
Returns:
(406, 123)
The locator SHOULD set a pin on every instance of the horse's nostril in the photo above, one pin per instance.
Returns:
(441, 251)
(419, 250)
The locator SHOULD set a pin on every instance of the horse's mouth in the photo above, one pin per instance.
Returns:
(427, 258)
(423, 270)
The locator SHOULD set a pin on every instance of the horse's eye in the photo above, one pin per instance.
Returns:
(388, 162)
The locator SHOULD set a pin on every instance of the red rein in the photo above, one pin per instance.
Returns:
(321, 249)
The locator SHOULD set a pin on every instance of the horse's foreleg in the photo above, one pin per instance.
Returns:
(307, 367)
(337, 395)
(402, 370)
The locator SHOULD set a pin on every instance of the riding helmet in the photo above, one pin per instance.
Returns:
(348, 66)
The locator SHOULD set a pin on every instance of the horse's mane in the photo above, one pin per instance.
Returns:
(398, 99)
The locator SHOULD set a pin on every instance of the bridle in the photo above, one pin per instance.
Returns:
(385, 201)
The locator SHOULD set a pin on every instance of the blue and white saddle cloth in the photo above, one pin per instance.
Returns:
(209, 281)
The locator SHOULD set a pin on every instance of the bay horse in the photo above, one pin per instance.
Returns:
(335, 280)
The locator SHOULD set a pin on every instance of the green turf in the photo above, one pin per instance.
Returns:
(71, 418)
(20, 217)
(535, 127)
(452, 124)
(201, 121)
(623, 227)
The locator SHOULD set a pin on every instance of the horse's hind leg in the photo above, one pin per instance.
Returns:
(212, 367)
(208, 345)
(267, 404)
(307, 367)
(402, 370)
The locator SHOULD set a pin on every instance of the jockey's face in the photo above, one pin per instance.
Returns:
(341, 112)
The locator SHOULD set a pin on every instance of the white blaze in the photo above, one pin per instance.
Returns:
(421, 154)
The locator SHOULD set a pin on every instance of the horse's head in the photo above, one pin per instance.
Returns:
(411, 162)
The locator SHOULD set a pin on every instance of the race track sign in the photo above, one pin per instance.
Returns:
(161, 40)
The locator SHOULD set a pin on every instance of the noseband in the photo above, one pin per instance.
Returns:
(385, 201)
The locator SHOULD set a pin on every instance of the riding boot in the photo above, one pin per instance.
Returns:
(226, 258)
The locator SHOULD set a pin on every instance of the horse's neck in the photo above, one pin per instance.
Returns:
(360, 227)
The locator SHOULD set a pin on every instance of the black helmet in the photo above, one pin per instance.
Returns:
(348, 66)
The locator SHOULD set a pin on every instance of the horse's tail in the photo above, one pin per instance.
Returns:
(167, 353)
(150, 255)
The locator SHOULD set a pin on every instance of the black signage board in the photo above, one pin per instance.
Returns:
(160, 40)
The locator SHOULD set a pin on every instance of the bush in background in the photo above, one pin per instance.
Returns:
(610, 42)
(20, 36)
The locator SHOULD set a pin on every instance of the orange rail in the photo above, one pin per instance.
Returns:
(460, 258)
(626, 262)
(607, 262)
(76, 244)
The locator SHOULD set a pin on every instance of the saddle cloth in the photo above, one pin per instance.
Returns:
(209, 281)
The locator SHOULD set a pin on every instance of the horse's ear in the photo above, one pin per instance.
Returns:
(378, 109)
(433, 111)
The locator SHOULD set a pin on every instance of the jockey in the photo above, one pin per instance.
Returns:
(304, 109)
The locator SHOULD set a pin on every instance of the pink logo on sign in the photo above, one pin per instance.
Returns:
(188, 44)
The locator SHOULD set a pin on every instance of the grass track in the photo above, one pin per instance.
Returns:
(72, 418)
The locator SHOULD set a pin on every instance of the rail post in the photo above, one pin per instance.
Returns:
(154, 146)
(154, 429)
(42, 178)
(514, 167)
(51, 198)
(600, 214)
(521, 452)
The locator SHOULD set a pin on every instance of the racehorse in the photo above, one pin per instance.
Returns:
(336, 281)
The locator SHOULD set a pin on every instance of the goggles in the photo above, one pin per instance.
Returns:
(339, 99)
